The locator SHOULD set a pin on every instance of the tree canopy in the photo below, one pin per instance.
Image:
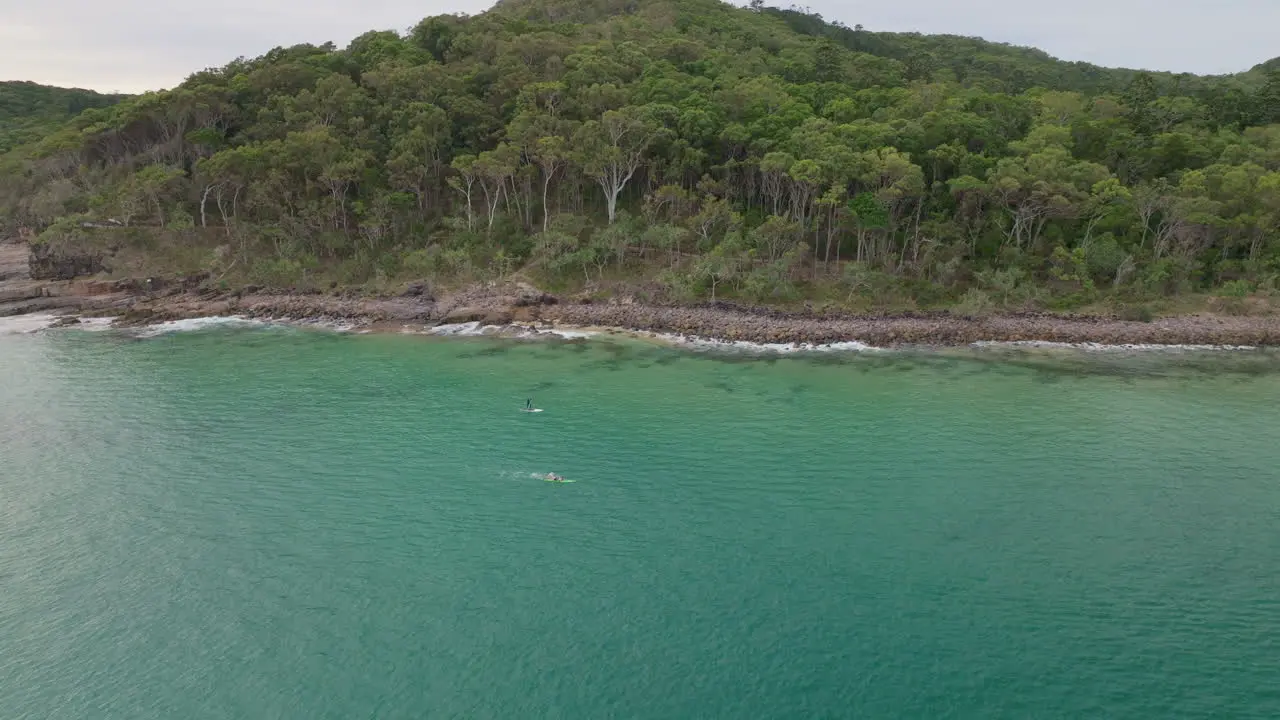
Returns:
(29, 111)
(702, 148)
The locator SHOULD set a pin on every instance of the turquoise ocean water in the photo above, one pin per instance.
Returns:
(275, 523)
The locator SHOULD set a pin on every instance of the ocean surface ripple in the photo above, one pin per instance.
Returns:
(238, 520)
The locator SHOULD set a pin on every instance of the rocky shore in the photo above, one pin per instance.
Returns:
(924, 330)
(148, 301)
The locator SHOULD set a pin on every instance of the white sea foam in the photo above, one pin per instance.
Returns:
(338, 326)
(36, 323)
(567, 334)
(744, 346)
(25, 324)
(474, 329)
(1104, 348)
(698, 343)
(94, 324)
(458, 329)
(197, 324)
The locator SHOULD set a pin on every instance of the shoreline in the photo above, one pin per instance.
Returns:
(520, 306)
(35, 323)
(717, 325)
(696, 327)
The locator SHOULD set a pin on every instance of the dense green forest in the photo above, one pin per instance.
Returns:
(685, 149)
(29, 111)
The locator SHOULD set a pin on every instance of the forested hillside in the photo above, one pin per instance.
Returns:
(995, 65)
(29, 111)
(689, 149)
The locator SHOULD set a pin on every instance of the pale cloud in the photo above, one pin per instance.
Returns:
(13, 32)
(136, 45)
(1197, 36)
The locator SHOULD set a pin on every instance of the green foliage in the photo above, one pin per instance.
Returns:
(1069, 265)
(1135, 312)
(1104, 258)
(290, 273)
(1233, 297)
(1010, 288)
(67, 228)
(1236, 289)
(758, 153)
(180, 219)
(29, 111)
(975, 303)
(871, 286)
(1167, 276)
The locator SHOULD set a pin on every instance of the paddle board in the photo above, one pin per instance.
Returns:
(559, 481)
(528, 410)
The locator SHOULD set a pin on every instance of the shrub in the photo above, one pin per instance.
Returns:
(1103, 257)
(281, 272)
(180, 219)
(975, 303)
(1168, 275)
(1233, 298)
(1235, 289)
(1135, 313)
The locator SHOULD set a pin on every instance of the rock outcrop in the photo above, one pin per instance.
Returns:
(65, 260)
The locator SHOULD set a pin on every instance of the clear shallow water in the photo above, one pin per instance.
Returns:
(275, 523)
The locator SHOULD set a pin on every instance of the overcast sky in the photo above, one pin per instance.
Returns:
(136, 45)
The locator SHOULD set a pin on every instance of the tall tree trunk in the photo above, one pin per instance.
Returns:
(204, 198)
(611, 199)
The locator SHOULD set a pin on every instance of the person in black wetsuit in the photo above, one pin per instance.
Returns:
(528, 404)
